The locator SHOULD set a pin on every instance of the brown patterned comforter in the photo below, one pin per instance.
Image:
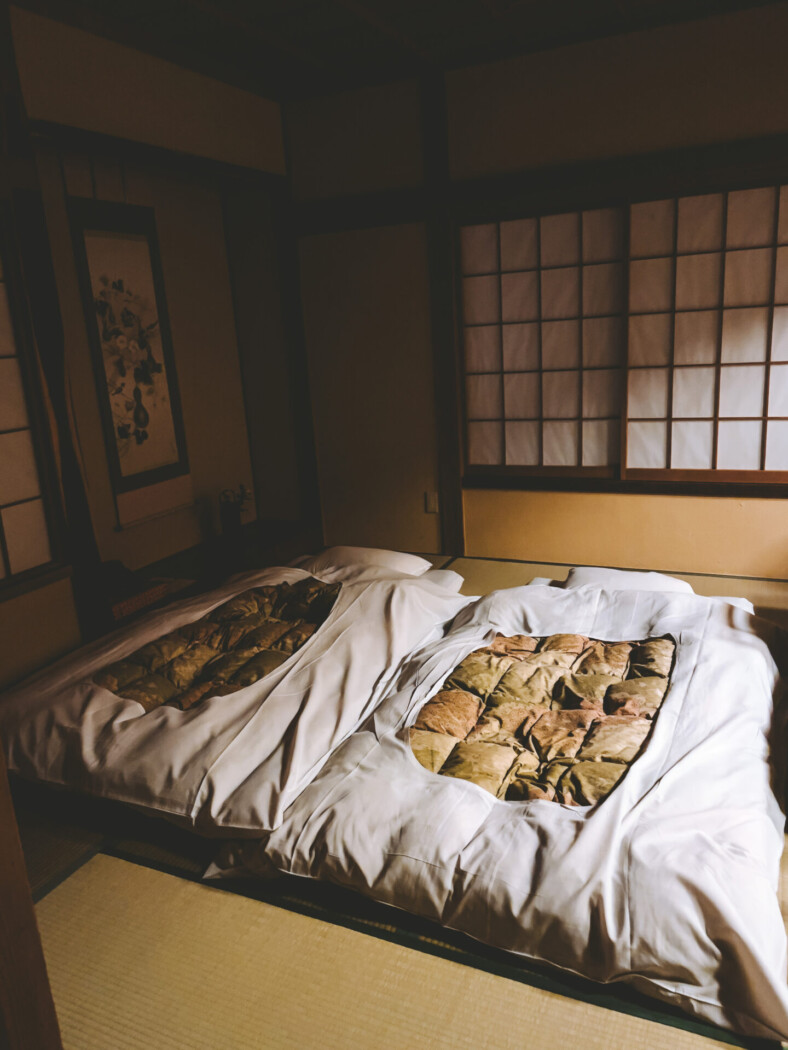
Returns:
(233, 646)
(557, 718)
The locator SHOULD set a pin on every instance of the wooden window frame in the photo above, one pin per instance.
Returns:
(621, 183)
(15, 583)
(544, 471)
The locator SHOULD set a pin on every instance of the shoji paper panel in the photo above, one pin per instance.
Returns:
(23, 525)
(542, 305)
(479, 248)
(26, 536)
(716, 338)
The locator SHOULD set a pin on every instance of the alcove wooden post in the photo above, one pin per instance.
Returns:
(27, 1013)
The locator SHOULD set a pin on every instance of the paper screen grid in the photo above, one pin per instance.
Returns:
(692, 314)
(707, 322)
(544, 339)
(24, 536)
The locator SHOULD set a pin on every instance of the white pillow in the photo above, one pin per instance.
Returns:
(448, 579)
(352, 557)
(623, 580)
(740, 603)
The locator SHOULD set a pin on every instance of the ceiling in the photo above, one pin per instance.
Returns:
(287, 49)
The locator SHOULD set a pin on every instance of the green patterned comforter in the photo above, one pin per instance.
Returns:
(557, 718)
(233, 646)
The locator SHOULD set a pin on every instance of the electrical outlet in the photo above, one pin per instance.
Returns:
(431, 502)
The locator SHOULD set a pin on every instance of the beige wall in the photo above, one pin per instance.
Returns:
(84, 81)
(274, 412)
(366, 312)
(36, 628)
(705, 81)
(191, 240)
(356, 141)
(735, 537)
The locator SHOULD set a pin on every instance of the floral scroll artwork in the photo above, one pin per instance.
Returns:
(128, 326)
(135, 372)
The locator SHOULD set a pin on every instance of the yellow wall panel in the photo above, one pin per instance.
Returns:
(36, 628)
(736, 537)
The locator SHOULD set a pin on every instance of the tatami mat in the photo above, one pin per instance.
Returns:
(138, 959)
(482, 575)
(438, 560)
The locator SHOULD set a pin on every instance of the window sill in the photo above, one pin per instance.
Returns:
(520, 479)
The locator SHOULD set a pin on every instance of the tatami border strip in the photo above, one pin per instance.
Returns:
(52, 883)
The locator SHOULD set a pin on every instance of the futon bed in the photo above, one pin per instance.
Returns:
(581, 776)
(218, 710)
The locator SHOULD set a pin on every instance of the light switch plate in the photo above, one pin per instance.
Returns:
(431, 502)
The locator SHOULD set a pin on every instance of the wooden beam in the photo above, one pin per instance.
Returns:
(295, 335)
(359, 211)
(441, 256)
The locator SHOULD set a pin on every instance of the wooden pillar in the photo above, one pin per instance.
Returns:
(440, 250)
(27, 1013)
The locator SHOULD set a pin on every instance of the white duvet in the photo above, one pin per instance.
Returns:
(669, 883)
(232, 763)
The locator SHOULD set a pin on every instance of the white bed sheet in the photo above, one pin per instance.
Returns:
(231, 763)
(669, 883)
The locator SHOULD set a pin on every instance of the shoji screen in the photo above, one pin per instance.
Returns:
(708, 326)
(542, 310)
(664, 322)
(24, 536)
